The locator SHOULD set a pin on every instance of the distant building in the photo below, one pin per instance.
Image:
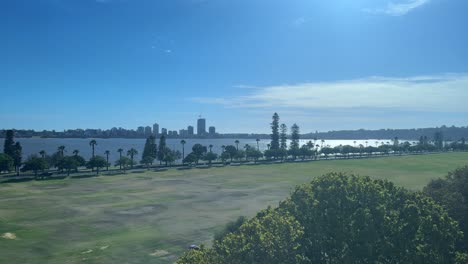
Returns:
(141, 131)
(190, 130)
(212, 130)
(183, 132)
(201, 126)
(164, 131)
(156, 129)
(147, 131)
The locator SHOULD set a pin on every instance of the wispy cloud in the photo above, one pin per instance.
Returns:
(398, 9)
(435, 93)
(299, 21)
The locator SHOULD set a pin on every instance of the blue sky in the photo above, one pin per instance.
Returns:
(327, 65)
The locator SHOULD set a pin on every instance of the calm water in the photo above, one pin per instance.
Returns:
(50, 145)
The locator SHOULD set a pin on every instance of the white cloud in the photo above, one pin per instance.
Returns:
(400, 8)
(299, 21)
(436, 93)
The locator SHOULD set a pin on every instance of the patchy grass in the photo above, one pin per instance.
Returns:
(152, 217)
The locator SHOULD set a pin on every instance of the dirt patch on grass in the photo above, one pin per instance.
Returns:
(159, 253)
(142, 210)
(9, 235)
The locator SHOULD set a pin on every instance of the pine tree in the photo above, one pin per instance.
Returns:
(275, 132)
(294, 147)
(283, 136)
(161, 149)
(9, 145)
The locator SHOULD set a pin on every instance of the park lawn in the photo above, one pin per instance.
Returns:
(151, 217)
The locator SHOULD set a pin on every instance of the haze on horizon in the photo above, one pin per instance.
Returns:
(326, 65)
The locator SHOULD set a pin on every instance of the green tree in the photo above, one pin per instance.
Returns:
(93, 144)
(183, 142)
(132, 152)
(237, 144)
(283, 136)
(210, 156)
(452, 193)
(149, 151)
(97, 162)
(162, 148)
(275, 132)
(107, 153)
(76, 152)
(258, 145)
(199, 151)
(120, 151)
(6, 162)
(190, 158)
(124, 163)
(68, 164)
(231, 151)
(17, 157)
(294, 146)
(9, 144)
(61, 151)
(35, 164)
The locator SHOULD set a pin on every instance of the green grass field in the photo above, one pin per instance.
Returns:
(151, 217)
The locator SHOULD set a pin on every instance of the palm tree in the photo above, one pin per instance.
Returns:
(210, 147)
(93, 143)
(75, 152)
(323, 141)
(258, 140)
(132, 152)
(61, 150)
(42, 153)
(120, 156)
(223, 147)
(237, 144)
(354, 143)
(183, 142)
(366, 143)
(268, 146)
(107, 158)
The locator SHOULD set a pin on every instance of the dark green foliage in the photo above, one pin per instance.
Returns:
(452, 193)
(9, 144)
(190, 158)
(68, 163)
(439, 140)
(124, 163)
(210, 157)
(150, 151)
(199, 151)
(35, 164)
(253, 154)
(231, 151)
(93, 144)
(6, 162)
(17, 156)
(274, 145)
(294, 137)
(342, 219)
(97, 162)
(131, 153)
(229, 228)
(283, 136)
(162, 148)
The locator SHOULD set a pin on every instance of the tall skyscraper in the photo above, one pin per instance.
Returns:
(164, 131)
(156, 129)
(190, 130)
(141, 131)
(201, 126)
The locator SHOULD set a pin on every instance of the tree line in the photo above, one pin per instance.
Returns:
(277, 150)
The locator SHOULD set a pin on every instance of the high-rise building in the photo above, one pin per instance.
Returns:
(147, 131)
(156, 129)
(164, 131)
(183, 132)
(190, 130)
(141, 131)
(201, 126)
(212, 130)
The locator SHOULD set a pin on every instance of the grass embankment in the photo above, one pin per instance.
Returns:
(151, 217)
